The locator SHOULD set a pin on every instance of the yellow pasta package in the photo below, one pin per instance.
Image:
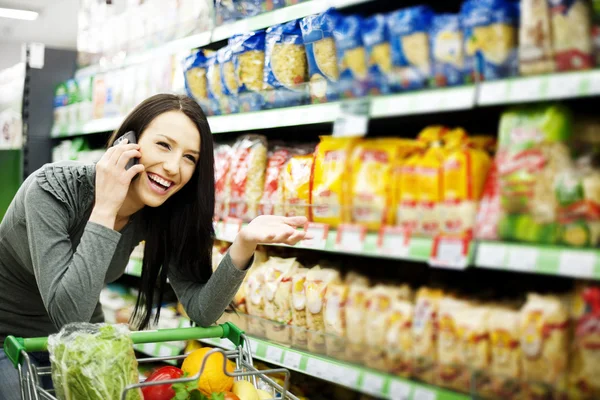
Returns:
(379, 308)
(473, 331)
(424, 333)
(356, 313)
(465, 171)
(584, 376)
(330, 189)
(430, 183)
(335, 318)
(372, 187)
(543, 324)
(505, 363)
(407, 194)
(247, 177)
(296, 186)
(317, 281)
(398, 338)
(299, 337)
(450, 348)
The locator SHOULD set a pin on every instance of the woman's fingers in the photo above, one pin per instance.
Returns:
(133, 171)
(295, 221)
(126, 156)
(118, 150)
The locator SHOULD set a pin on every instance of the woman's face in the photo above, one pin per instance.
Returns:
(170, 148)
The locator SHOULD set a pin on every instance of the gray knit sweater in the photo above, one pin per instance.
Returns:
(54, 262)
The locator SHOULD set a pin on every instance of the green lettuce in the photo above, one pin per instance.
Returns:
(94, 362)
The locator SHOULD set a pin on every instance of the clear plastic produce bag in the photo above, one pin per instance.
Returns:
(93, 362)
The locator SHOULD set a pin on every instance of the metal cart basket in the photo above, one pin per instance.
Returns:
(32, 377)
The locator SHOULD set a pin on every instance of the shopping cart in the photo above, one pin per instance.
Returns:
(31, 377)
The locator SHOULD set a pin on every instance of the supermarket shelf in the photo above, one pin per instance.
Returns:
(279, 16)
(93, 126)
(355, 377)
(540, 88)
(549, 260)
(418, 249)
(134, 267)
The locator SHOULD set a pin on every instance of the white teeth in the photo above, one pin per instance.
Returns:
(160, 180)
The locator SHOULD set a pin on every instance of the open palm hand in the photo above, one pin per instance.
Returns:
(271, 229)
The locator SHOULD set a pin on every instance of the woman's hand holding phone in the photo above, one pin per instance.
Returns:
(113, 180)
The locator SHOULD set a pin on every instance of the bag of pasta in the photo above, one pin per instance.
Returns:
(272, 199)
(196, 84)
(376, 38)
(214, 83)
(331, 180)
(451, 369)
(299, 336)
(505, 362)
(249, 64)
(229, 81)
(490, 39)
(222, 172)
(571, 34)
(247, 178)
(317, 281)
(446, 42)
(535, 38)
(296, 186)
(286, 66)
(398, 338)
(317, 32)
(93, 361)
(351, 56)
(409, 32)
(425, 333)
(356, 316)
(277, 293)
(335, 319)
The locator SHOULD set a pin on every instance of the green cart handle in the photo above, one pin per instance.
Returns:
(14, 346)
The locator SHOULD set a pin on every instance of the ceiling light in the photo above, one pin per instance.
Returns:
(18, 14)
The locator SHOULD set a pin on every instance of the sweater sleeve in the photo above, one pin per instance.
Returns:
(69, 280)
(205, 302)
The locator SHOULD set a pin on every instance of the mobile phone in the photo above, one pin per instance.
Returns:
(130, 136)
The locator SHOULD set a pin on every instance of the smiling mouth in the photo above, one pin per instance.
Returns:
(158, 184)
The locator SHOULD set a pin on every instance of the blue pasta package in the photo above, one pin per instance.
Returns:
(249, 62)
(376, 38)
(214, 85)
(227, 11)
(270, 5)
(317, 32)
(229, 83)
(409, 31)
(195, 68)
(352, 57)
(286, 67)
(490, 29)
(446, 45)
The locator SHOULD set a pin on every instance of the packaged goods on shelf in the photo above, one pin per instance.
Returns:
(398, 338)
(296, 186)
(272, 198)
(336, 297)
(249, 62)
(376, 37)
(299, 337)
(214, 83)
(356, 316)
(330, 198)
(571, 23)
(232, 10)
(223, 162)
(505, 344)
(323, 72)
(490, 39)
(277, 294)
(196, 82)
(229, 80)
(246, 180)
(286, 66)
(317, 281)
(425, 332)
(446, 46)
(535, 38)
(351, 57)
(409, 32)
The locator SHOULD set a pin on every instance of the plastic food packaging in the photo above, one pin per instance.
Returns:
(296, 186)
(535, 38)
(93, 361)
(447, 54)
(572, 34)
(351, 56)
(376, 38)
(249, 63)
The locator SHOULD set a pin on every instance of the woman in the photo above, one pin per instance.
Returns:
(71, 229)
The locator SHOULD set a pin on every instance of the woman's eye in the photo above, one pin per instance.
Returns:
(163, 144)
(191, 158)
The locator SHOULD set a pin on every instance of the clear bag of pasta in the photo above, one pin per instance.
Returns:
(196, 84)
(214, 83)
(376, 38)
(409, 33)
(247, 177)
(286, 66)
(93, 361)
(229, 82)
(317, 32)
(249, 64)
(351, 56)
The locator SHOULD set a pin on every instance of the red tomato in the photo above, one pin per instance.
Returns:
(161, 392)
(230, 396)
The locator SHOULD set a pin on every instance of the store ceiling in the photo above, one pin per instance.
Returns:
(56, 25)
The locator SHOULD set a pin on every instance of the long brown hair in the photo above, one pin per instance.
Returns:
(179, 233)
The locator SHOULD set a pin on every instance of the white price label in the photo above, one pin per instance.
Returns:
(351, 238)
(319, 233)
(399, 390)
(353, 119)
(491, 255)
(274, 354)
(345, 376)
(578, 264)
(395, 242)
(527, 89)
(373, 384)
(292, 360)
(231, 227)
(493, 92)
(317, 368)
(253, 347)
(424, 394)
(450, 253)
(522, 259)
(226, 344)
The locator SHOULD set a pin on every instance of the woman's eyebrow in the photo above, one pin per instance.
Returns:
(175, 142)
